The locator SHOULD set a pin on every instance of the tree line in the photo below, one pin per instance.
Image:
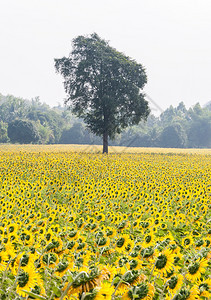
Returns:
(30, 121)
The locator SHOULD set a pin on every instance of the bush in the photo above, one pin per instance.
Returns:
(23, 132)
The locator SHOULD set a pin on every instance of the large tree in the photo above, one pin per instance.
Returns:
(103, 86)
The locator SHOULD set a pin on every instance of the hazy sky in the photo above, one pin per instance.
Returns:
(170, 38)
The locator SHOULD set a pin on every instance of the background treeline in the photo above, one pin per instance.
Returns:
(30, 121)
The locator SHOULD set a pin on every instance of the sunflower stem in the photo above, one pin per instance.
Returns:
(162, 292)
(121, 280)
(152, 272)
(83, 296)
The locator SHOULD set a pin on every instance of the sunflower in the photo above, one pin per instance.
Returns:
(26, 280)
(141, 291)
(188, 294)
(174, 284)
(102, 241)
(187, 241)
(205, 288)
(22, 260)
(105, 292)
(62, 268)
(149, 240)
(49, 260)
(10, 249)
(196, 269)
(3, 259)
(85, 281)
(111, 232)
(123, 242)
(108, 271)
(164, 262)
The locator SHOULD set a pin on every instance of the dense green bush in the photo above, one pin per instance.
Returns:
(23, 132)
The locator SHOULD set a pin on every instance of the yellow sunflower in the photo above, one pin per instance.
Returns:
(195, 269)
(49, 260)
(26, 280)
(22, 260)
(62, 268)
(174, 284)
(149, 240)
(164, 262)
(143, 291)
(205, 288)
(3, 259)
(122, 242)
(105, 292)
(188, 294)
(187, 241)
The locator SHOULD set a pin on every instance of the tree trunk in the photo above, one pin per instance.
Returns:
(105, 142)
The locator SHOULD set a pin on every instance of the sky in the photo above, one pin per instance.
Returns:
(170, 38)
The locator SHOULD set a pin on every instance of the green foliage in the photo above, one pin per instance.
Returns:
(49, 122)
(23, 132)
(3, 132)
(173, 136)
(12, 108)
(176, 126)
(199, 131)
(78, 134)
(103, 86)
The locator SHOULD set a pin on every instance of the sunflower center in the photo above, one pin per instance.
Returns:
(142, 291)
(133, 264)
(173, 282)
(70, 245)
(183, 295)
(109, 232)
(27, 237)
(11, 229)
(204, 287)
(72, 233)
(147, 252)
(120, 242)
(24, 260)
(186, 241)
(48, 236)
(62, 266)
(161, 261)
(49, 258)
(194, 268)
(23, 278)
(101, 241)
(148, 239)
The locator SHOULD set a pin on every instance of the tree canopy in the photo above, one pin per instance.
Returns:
(103, 86)
(23, 132)
(175, 127)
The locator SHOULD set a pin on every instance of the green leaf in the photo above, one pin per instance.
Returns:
(69, 277)
(56, 290)
(35, 295)
(116, 280)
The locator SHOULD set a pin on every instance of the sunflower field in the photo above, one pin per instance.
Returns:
(88, 226)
